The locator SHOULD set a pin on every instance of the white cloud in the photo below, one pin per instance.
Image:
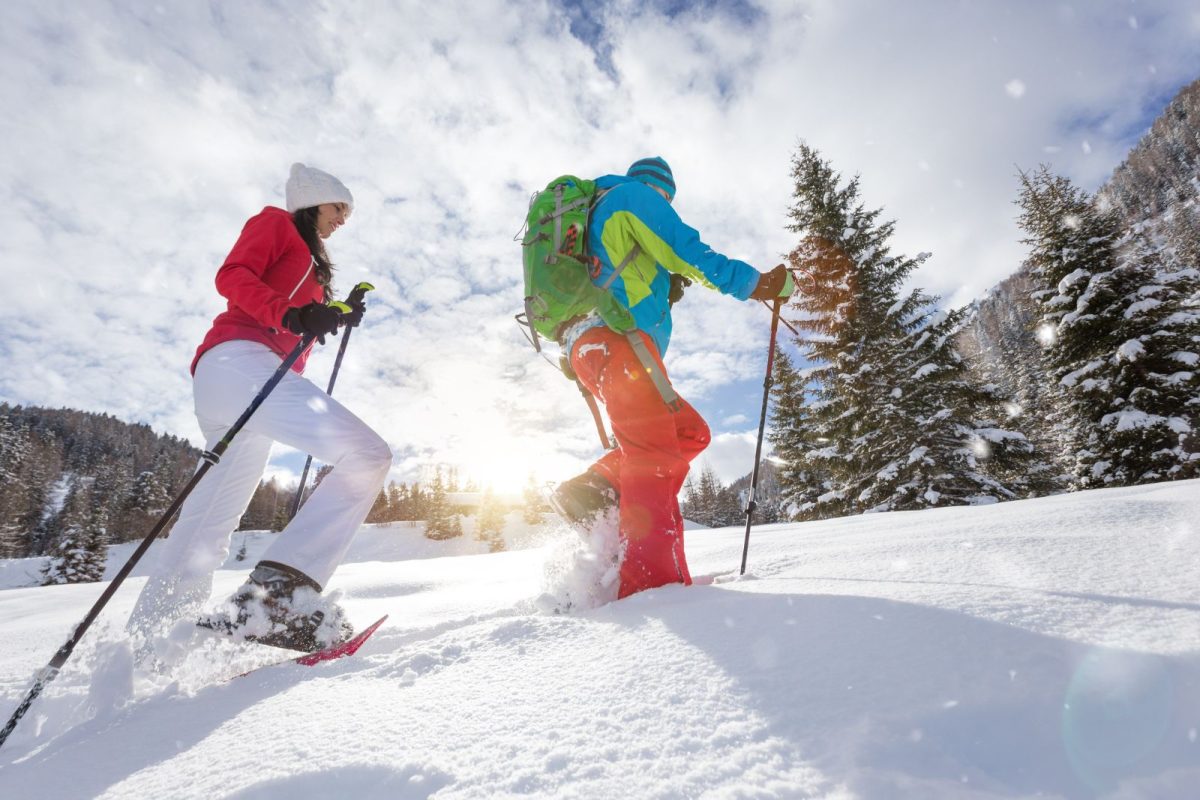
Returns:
(731, 455)
(139, 140)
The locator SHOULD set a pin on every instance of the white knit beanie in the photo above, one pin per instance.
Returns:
(308, 187)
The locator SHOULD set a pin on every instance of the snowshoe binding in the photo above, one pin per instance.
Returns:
(281, 607)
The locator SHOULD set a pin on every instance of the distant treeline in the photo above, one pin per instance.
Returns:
(62, 468)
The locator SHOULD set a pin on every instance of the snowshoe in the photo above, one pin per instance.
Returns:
(281, 607)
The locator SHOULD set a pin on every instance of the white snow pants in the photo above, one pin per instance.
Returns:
(296, 413)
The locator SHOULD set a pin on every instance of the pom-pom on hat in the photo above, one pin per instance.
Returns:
(309, 186)
(654, 171)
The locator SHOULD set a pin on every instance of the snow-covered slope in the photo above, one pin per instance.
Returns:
(1044, 648)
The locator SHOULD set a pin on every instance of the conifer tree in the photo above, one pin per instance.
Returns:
(690, 498)
(261, 514)
(533, 506)
(380, 510)
(730, 507)
(489, 526)
(15, 451)
(397, 501)
(891, 420)
(439, 520)
(418, 502)
(1121, 336)
(81, 551)
(791, 437)
(708, 491)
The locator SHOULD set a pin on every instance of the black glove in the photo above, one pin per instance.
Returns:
(315, 319)
(354, 318)
(678, 284)
(776, 283)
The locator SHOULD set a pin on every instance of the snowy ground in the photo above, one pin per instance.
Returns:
(1047, 648)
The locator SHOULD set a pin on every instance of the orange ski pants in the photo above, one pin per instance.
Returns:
(648, 467)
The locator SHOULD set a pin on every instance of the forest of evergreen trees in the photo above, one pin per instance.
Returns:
(432, 503)
(712, 504)
(73, 480)
(1079, 371)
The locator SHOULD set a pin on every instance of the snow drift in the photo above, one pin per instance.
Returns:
(1045, 648)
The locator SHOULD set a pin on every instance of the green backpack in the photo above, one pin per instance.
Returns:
(558, 268)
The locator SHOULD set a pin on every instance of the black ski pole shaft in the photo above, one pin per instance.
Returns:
(762, 426)
(48, 673)
(356, 295)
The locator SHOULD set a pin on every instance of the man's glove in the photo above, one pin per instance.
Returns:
(678, 284)
(776, 283)
(354, 318)
(315, 319)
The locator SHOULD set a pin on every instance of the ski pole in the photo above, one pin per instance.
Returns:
(49, 672)
(356, 296)
(762, 424)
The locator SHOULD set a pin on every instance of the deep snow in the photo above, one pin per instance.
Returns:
(1043, 648)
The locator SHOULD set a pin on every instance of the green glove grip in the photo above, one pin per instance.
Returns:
(789, 286)
(356, 296)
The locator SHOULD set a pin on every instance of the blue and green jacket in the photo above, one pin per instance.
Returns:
(630, 212)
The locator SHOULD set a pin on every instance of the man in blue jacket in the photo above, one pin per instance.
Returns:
(640, 243)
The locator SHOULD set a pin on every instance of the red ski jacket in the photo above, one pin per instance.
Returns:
(269, 270)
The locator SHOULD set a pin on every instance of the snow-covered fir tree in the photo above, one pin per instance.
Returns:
(81, 550)
(148, 498)
(893, 421)
(440, 521)
(15, 451)
(791, 437)
(532, 506)
(1000, 344)
(1121, 336)
(707, 501)
(489, 525)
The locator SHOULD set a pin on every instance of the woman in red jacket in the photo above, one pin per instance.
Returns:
(277, 280)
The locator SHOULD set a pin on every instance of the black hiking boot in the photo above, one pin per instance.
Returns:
(281, 607)
(584, 500)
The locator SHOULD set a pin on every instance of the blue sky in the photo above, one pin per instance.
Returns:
(141, 136)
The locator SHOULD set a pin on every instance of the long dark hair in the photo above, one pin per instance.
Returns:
(306, 223)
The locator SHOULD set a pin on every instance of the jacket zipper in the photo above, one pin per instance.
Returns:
(312, 260)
